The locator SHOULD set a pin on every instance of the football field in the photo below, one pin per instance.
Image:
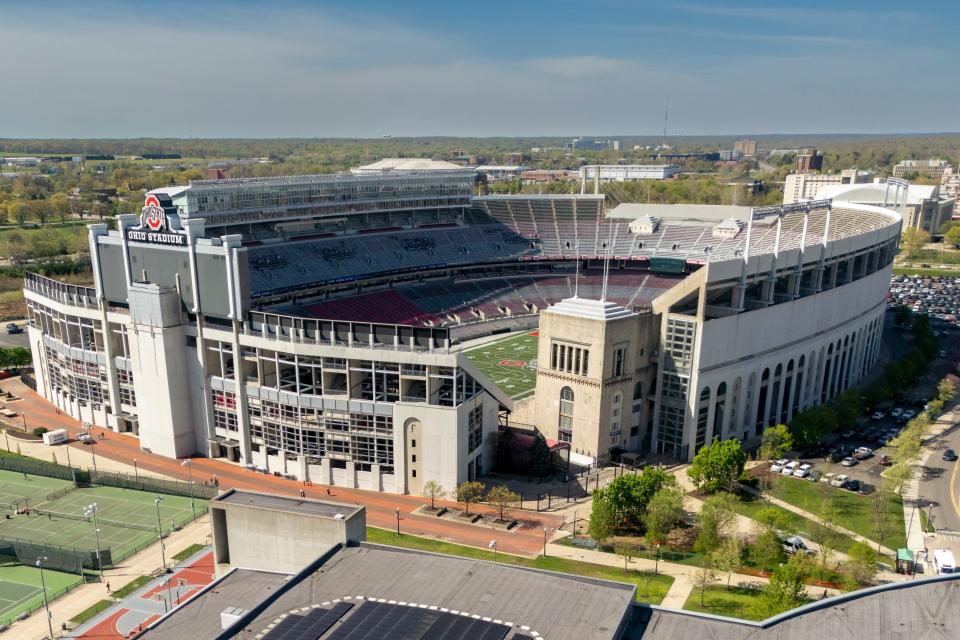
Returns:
(511, 363)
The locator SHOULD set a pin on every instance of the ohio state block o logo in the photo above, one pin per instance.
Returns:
(152, 215)
(512, 363)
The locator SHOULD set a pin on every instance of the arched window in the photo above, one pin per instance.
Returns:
(565, 425)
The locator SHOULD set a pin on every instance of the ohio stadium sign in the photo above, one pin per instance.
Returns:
(154, 226)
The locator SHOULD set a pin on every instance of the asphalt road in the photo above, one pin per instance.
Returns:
(940, 484)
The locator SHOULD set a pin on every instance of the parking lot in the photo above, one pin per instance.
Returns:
(938, 297)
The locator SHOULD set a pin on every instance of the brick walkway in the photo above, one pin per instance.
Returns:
(526, 540)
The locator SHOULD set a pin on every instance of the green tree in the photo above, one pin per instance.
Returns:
(861, 568)
(786, 589)
(469, 492)
(502, 497)
(776, 442)
(603, 517)
(630, 494)
(664, 511)
(704, 576)
(628, 549)
(953, 235)
(433, 492)
(825, 536)
(718, 466)
(717, 516)
(913, 240)
(902, 315)
(947, 389)
(772, 519)
(728, 557)
(767, 550)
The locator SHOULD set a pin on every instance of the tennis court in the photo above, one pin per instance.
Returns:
(15, 487)
(20, 589)
(510, 363)
(127, 519)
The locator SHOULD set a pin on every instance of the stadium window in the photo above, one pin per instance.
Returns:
(553, 357)
(619, 356)
(586, 357)
(413, 444)
(576, 367)
(565, 425)
(413, 458)
(413, 473)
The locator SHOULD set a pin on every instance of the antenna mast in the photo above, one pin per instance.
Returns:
(666, 118)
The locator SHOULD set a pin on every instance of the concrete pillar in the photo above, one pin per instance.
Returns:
(325, 477)
(374, 484)
(351, 480)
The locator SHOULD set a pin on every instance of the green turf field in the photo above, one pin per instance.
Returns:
(118, 508)
(14, 487)
(510, 363)
(20, 589)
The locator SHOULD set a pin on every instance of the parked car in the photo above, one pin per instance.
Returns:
(849, 462)
(84, 437)
(777, 466)
(949, 455)
(866, 489)
(802, 471)
(896, 413)
(839, 480)
(885, 461)
(908, 414)
(814, 476)
(847, 434)
(789, 468)
(14, 328)
(862, 453)
(828, 477)
(852, 485)
(878, 415)
(795, 544)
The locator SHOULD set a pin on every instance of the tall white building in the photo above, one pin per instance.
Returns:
(804, 186)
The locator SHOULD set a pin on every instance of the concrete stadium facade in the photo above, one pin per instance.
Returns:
(194, 337)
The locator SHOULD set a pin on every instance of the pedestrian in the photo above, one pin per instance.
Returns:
(303, 494)
(108, 587)
(328, 491)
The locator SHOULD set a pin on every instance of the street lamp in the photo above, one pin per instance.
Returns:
(544, 542)
(493, 545)
(136, 472)
(656, 565)
(43, 587)
(186, 463)
(163, 557)
(91, 512)
(397, 510)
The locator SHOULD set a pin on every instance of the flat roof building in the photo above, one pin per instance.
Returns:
(804, 186)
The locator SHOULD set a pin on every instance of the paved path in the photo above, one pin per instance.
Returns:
(526, 540)
(146, 562)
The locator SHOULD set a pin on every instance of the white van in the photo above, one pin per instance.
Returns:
(55, 436)
(943, 561)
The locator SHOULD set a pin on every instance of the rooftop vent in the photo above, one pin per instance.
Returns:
(230, 616)
(644, 225)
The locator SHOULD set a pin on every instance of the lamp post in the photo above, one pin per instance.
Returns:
(656, 564)
(169, 593)
(69, 464)
(163, 557)
(93, 452)
(397, 510)
(544, 542)
(193, 506)
(91, 512)
(493, 545)
(43, 587)
(136, 472)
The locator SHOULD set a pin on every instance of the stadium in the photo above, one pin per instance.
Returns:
(344, 328)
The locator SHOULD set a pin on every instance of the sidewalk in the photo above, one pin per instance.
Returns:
(146, 562)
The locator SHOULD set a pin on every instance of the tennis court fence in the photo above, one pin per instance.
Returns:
(153, 485)
(51, 596)
(59, 558)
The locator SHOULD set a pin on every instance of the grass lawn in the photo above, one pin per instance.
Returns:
(127, 589)
(735, 602)
(92, 611)
(930, 273)
(650, 588)
(510, 363)
(189, 551)
(853, 511)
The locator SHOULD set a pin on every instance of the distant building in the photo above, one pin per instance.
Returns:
(922, 205)
(498, 172)
(804, 186)
(746, 147)
(809, 160)
(703, 156)
(548, 175)
(728, 155)
(406, 164)
(591, 144)
(925, 168)
(950, 184)
(628, 172)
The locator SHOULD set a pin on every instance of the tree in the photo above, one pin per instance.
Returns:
(913, 240)
(603, 518)
(861, 568)
(664, 511)
(767, 550)
(776, 442)
(884, 522)
(953, 235)
(821, 532)
(727, 557)
(704, 576)
(947, 389)
(18, 211)
(468, 492)
(900, 473)
(502, 497)
(433, 491)
(902, 315)
(785, 590)
(718, 466)
(716, 517)
(630, 494)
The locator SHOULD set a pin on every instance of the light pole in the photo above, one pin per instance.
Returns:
(656, 565)
(397, 510)
(93, 452)
(186, 463)
(43, 587)
(493, 545)
(169, 594)
(136, 472)
(7, 437)
(69, 464)
(91, 511)
(544, 542)
(163, 557)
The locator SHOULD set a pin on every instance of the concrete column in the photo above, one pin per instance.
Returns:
(374, 484)
(325, 477)
(351, 473)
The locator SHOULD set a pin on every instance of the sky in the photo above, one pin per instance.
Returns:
(283, 68)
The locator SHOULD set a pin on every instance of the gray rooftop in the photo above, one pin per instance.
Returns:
(915, 609)
(286, 504)
(200, 617)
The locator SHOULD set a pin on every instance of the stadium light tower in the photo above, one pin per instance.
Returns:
(91, 511)
(189, 465)
(163, 557)
(43, 588)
